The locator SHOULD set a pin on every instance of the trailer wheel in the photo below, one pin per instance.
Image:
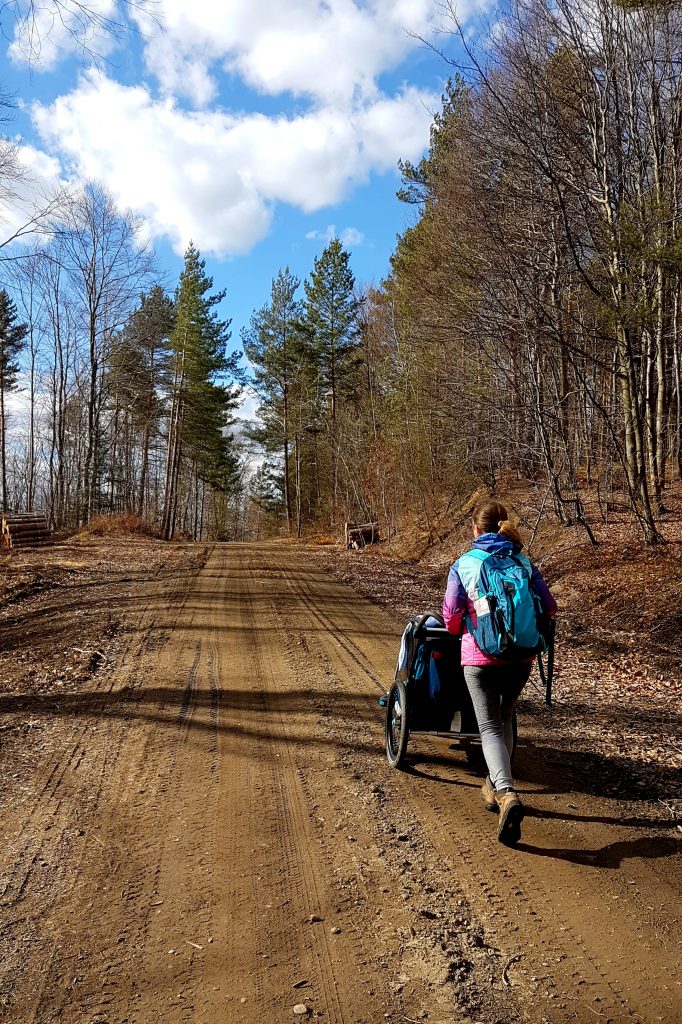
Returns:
(397, 724)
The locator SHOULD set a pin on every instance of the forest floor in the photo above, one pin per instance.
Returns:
(199, 822)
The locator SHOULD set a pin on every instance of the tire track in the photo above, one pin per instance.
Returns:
(73, 801)
(295, 841)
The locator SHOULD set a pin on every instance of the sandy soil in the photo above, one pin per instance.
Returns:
(201, 826)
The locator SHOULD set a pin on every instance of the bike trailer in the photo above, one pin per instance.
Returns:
(428, 694)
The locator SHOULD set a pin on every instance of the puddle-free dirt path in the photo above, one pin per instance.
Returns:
(213, 834)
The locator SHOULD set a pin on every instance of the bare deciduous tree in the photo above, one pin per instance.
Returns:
(108, 265)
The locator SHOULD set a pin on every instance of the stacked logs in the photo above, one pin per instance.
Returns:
(25, 529)
(359, 536)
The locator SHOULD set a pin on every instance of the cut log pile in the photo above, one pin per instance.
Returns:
(358, 536)
(25, 529)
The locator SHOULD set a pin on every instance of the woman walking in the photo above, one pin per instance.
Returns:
(494, 681)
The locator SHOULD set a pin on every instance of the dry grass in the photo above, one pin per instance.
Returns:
(125, 524)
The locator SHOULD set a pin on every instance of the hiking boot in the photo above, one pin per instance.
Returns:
(511, 816)
(488, 794)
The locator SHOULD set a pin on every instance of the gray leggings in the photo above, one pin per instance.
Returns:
(494, 691)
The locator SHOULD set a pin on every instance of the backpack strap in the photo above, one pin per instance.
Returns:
(477, 553)
(468, 572)
(468, 581)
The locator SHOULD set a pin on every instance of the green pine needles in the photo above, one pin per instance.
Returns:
(201, 400)
(304, 358)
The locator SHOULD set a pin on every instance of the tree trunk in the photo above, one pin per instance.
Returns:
(298, 483)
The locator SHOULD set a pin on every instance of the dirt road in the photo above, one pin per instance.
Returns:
(211, 833)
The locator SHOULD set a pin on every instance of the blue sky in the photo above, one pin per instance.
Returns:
(254, 127)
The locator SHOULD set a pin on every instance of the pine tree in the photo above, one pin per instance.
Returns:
(148, 334)
(12, 335)
(277, 345)
(265, 495)
(420, 180)
(200, 398)
(331, 311)
(136, 375)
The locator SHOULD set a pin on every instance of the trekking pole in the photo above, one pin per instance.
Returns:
(547, 675)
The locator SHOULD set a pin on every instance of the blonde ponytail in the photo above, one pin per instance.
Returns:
(506, 527)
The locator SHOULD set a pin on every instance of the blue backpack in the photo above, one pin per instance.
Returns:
(508, 612)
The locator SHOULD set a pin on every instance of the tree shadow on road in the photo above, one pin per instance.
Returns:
(618, 776)
(247, 714)
(627, 821)
(280, 713)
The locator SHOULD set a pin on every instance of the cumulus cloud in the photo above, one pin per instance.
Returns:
(214, 176)
(332, 52)
(349, 237)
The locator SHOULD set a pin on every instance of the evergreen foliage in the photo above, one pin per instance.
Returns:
(12, 341)
(198, 342)
(278, 346)
(147, 338)
(419, 180)
(139, 366)
(331, 311)
(201, 399)
(265, 490)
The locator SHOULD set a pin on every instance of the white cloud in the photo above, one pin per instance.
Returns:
(180, 72)
(213, 176)
(181, 172)
(349, 237)
(331, 51)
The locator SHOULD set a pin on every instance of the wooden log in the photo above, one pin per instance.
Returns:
(25, 529)
(17, 531)
(360, 535)
(36, 524)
